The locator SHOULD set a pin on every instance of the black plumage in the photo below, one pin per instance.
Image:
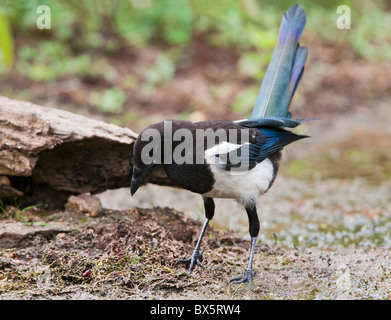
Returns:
(224, 159)
(255, 145)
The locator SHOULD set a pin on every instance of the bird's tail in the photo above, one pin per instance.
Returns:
(285, 68)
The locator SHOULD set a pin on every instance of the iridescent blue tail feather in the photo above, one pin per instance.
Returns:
(285, 68)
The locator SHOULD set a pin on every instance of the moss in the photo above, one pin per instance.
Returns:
(372, 165)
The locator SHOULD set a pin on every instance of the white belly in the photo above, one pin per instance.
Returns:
(242, 186)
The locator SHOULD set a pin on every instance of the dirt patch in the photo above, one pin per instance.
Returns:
(118, 254)
(131, 254)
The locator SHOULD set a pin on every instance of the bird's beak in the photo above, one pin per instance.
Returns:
(139, 175)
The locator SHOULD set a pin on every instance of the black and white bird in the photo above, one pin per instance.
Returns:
(223, 159)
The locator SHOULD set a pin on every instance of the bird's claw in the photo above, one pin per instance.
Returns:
(195, 258)
(247, 277)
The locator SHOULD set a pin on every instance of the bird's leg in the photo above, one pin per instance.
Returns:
(254, 230)
(196, 257)
(249, 273)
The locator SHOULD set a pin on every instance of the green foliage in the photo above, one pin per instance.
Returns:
(371, 38)
(224, 17)
(244, 102)
(16, 213)
(6, 43)
(162, 71)
(110, 100)
(50, 60)
(246, 23)
(84, 33)
(140, 20)
(3, 210)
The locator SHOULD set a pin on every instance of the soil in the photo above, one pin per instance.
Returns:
(131, 254)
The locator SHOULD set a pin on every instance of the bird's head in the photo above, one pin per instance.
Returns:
(146, 154)
(139, 176)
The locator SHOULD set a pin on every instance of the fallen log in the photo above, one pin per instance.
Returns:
(48, 154)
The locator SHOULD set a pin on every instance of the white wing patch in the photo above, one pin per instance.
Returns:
(237, 185)
(213, 156)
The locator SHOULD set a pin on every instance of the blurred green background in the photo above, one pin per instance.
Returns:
(119, 53)
(136, 62)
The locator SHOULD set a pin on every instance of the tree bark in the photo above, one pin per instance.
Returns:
(48, 154)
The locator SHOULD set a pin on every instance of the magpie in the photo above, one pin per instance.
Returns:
(231, 159)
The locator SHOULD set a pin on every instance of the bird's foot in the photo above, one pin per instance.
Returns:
(195, 258)
(247, 277)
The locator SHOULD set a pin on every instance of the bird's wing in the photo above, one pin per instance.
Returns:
(272, 122)
(266, 141)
